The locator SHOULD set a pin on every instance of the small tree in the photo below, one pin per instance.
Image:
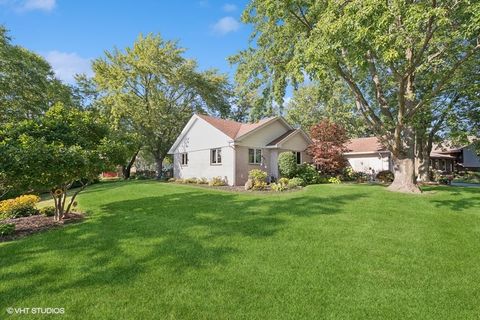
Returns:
(287, 164)
(329, 144)
(53, 152)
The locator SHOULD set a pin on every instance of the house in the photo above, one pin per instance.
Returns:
(367, 154)
(211, 147)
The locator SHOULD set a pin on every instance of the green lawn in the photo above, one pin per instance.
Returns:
(152, 250)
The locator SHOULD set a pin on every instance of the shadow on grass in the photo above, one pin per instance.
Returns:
(179, 231)
(456, 198)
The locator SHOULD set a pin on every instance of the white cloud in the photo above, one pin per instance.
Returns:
(44, 5)
(229, 7)
(67, 65)
(226, 25)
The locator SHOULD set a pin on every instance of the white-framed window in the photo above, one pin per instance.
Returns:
(298, 156)
(254, 156)
(216, 156)
(184, 159)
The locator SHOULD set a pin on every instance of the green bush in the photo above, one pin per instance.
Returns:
(7, 229)
(22, 206)
(47, 211)
(295, 182)
(258, 178)
(287, 164)
(334, 180)
(217, 181)
(202, 181)
(281, 185)
(385, 176)
(191, 180)
(172, 180)
(309, 174)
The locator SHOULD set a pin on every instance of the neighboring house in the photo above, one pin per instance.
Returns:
(211, 147)
(368, 154)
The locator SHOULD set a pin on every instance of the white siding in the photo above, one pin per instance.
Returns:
(197, 143)
(367, 162)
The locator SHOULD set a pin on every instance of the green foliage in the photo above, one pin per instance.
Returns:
(191, 180)
(309, 174)
(295, 182)
(154, 90)
(258, 178)
(385, 176)
(281, 185)
(47, 211)
(7, 229)
(468, 177)
(334, 180)
(287, 164)
(22, 206)
(202, 181)
(217, 181)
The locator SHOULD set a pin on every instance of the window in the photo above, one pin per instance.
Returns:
(254, 156)
(216, 156)
(298, 155)
(184, 159)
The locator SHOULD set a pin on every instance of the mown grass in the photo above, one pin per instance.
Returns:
(152, 250)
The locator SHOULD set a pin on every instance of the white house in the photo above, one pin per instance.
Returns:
(211, 147)
(367, 154)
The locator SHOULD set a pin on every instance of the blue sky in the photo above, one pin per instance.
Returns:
(69, 33)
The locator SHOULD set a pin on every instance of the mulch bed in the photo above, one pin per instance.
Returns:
(237, 188)
(28, 225)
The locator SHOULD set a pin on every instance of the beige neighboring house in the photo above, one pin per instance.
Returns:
(367, 154)
(211, 147)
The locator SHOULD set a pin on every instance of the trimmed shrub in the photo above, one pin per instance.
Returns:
(47, 211)
(287, 164)
(259, 178)
(191, 180)
(216, 182)
(22, 206)
(334, 180)
(295, 182)
(309, 174)
(7, 229)
(202, 181)
(172, 180)
(385, 176)
(281, 185)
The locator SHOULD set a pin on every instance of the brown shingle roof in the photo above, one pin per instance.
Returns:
(231, 128)
(283, 136)
(369, 144)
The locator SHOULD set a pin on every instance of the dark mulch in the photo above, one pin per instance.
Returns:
(33, 224)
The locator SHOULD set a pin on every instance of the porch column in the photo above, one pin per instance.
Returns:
(274, 163)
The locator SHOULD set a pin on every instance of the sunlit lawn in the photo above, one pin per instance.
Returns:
(151, 250)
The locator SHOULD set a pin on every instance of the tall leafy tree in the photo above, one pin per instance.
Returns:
(153, 87)
(394, 56)
(312, 103)
(53, 151)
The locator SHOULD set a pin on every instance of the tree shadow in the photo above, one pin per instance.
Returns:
(179, 231)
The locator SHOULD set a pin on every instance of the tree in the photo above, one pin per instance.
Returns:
(53, 151)
(27, 83)
(313, 102)
(386, 52)
(155, 90)
(329, 144)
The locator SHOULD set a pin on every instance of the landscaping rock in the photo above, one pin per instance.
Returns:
(249, 184)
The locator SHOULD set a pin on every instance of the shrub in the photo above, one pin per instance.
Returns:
(334, 180)
(309, 174)
(190, 180)
(217, 181)
(22, 206)
(258, 179)
(202, 181)
(47, 211)
(172, 180)
(278, 187)
(7, 229)
(287, 164)
(385, 176)
(295, 182)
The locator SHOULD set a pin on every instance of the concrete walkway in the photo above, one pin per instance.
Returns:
(463, 184)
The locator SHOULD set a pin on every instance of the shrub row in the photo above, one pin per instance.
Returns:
(22, 206)
(215, 181)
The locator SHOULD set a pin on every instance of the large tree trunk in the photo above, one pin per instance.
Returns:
(126, 170)
(423, 174)
(404, 170)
